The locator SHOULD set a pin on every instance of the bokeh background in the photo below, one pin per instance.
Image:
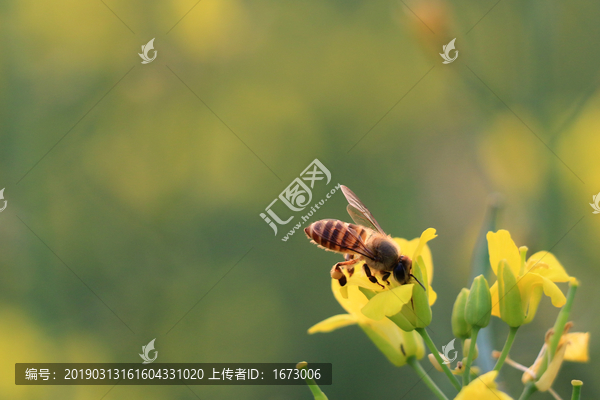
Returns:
(144, 198)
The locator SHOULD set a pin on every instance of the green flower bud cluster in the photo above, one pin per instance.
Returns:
(472, 308)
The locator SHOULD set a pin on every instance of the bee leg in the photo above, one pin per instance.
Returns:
(336, 271)
(385, 277)
(349, 257)
(371, 277)
(349, 262)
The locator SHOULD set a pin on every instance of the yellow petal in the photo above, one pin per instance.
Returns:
(546, 264)
(553, 291)
(495, 300)
(426, 236)
(577, 349)
(333, 323)
(407, 247)
(388, 303)
(530, 308)
(501, 247)
(354, 301)
(410, 247)
(343, 290)
(483, 388)
(432, 295)
(488, 379)
(426, 254)
(547, 379)
(528, 284)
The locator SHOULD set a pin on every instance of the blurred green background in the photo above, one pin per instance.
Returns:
(150, 199)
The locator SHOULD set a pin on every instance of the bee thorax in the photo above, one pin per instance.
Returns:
(386, 253)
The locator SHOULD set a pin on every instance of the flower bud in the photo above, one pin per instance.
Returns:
(460, 328)
(511, 306)
(435, 362)
(478, 309)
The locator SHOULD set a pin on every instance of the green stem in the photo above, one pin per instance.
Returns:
(316, 390)
(576, 390)
(467, 373)
(559, 327)
(436, 354)
(412, 361)
(507, 346)
(528, 391)
(561, 320)
(312, 385)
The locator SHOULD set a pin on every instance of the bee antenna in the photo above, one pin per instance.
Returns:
(415, 278)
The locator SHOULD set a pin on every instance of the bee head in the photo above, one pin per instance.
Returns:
(402, 270)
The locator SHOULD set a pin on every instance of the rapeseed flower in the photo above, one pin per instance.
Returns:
(483, 388)
(387, 300)
(571, 347)
(396, 344)
(533, 277)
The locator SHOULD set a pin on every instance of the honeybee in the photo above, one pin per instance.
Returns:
(364, 242)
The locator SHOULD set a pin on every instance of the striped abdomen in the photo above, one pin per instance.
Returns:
(332, 234)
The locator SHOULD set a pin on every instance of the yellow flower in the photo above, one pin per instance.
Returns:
(395, 299)
(571, 347)
(395, 343)
(409, 304)
(482, 388)
(534, 276)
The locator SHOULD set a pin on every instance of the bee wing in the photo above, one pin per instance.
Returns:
(358, 247)
(359, 213)
(360, 219)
